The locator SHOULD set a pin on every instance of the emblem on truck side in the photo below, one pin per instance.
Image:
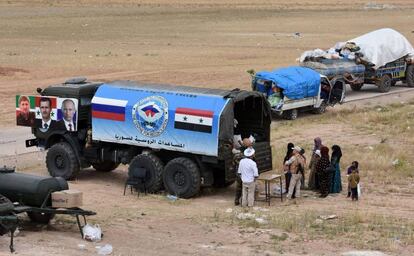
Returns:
(150, 115)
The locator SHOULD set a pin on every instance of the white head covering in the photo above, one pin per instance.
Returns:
(248, 152)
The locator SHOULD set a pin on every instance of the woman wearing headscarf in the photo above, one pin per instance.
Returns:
(323, 172)
(286, 170)
(336, 184)
(313, 182)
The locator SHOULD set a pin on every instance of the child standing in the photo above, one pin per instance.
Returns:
(354, 166)
(353, 180)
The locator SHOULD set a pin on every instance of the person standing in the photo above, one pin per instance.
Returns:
(336, 184)
(313, 182)
(353, 180)
(286, 168)
(248, 172)
(296, 162)
(354, 166)
(323, 171)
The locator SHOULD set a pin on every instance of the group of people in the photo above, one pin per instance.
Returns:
(324, 176)
(325, 172)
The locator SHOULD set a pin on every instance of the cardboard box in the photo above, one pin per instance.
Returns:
(66, 199)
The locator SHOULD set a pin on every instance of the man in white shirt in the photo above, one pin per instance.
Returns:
(248, 172)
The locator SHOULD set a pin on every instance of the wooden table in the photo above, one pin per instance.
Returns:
(267, 178)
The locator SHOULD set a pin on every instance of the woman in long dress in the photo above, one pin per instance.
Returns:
(336, 184)
(323, 172)
(313, 182)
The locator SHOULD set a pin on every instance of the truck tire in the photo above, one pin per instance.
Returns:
(356, 87)
(105, 166)
(182, 177)
(384, 83)
(154, 167)
(39, 217)
(321, 109)
(409, 75)
(61, 161)
(290, 114)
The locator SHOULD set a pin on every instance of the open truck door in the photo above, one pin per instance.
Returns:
(337, 92)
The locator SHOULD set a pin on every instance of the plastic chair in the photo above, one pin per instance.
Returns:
(137, 178)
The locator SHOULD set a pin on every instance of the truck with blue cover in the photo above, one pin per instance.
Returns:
(181, 136)
(298, 89)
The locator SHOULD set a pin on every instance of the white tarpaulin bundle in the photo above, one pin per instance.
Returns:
(382, 46)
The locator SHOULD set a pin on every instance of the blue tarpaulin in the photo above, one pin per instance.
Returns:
(296, 82)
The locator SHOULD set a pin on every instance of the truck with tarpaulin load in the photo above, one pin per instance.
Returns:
(292, 89)
(382, 57)
(182, 136)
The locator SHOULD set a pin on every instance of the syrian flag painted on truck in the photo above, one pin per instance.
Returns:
(111, 109)
(193, 119)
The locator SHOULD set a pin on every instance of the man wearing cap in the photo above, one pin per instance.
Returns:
(248, 172)
(295, 162)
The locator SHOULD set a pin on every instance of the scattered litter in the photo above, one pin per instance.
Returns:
(363, 253)
(328, 217)
(92, 233)
(172, 198)
(105, 250)
(318, 222)
(375, 6)
(395, 162)
(276, 190)
(82, 246)
(244, 216)
(260, 209)
(261, 221)
(371, 147)
(229, 210)
(297, 35)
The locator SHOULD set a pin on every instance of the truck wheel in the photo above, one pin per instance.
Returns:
(182, 177)
(105, 166)
(290, 114)
(40, 217)
(154, 167)
(356, 87)
(321, 109)
(409, 75)
(384, 83)
(61, 161)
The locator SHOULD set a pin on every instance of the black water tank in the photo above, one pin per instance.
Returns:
(29, 189)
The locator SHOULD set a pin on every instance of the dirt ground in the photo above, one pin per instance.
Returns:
(198, 43)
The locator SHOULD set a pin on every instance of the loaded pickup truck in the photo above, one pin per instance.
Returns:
(298, 89)
(382, 57)
(181, 136)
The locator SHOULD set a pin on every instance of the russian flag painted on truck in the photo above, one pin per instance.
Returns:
(126, 113)
(107, 108)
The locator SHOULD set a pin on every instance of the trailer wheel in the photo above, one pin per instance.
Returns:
(356, 87)
(154, 167)
(61, 161)
(40, 217)
(182, 177)
(384, 83)
(290, 114)
(409, 75)
(321, 109)
(105, 166)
